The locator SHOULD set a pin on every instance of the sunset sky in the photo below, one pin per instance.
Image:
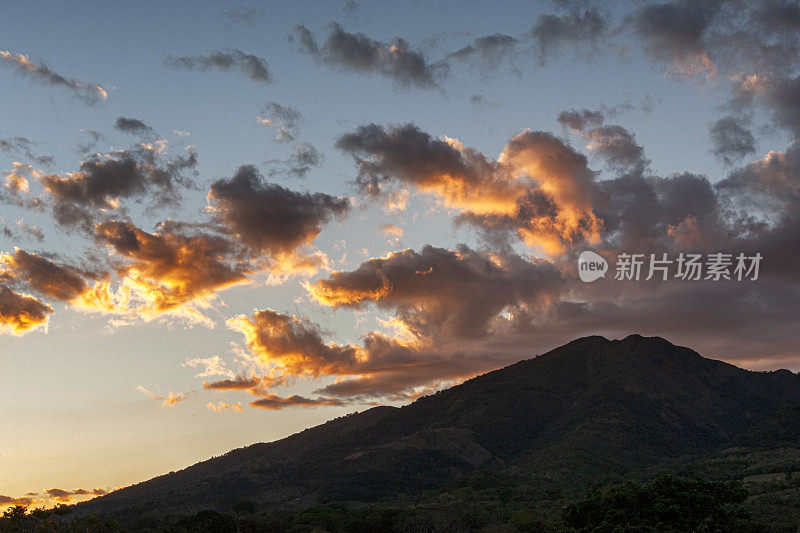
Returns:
(220, 225)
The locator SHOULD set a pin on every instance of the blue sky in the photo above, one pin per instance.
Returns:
(73, 413)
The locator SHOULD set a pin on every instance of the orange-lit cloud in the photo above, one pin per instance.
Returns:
(292, 344)
(252, 383)
(168, 271)
(43, 275)
(274, 402)
(426, 288)
(7, 501)
(17, 179)
(539, 187)
(220, 407)
(392, 230)
(166, 401)
(20, 313)
(49, 497)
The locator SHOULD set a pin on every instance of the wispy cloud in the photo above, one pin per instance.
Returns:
(252, 66)
(90, 92)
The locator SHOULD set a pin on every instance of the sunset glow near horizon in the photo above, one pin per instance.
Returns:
(220, 225)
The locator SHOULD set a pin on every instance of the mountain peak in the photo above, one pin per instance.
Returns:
(623, 403)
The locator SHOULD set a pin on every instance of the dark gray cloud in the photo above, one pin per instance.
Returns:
(618, 147)
(88, 141)
(756, 45)
(283, 118)
(304, 157)
(21, 146)
(245, 15)
(274, 402)
(131, 125)
(638, 212)
(732, 139)
(675, 31)
(580, 120)
(553, 34)
(350, 7)
(782, 97)
(252, 66)
(30, 230)
(91, 93)
(270, 218)
(359, 53)
(426, 288)
(488, 52)
(407, 154)
(101, 181)
(614, 144)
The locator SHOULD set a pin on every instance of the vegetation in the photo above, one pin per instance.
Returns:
(489, 501)
(19, 519)
(665, 504)
(592, 427)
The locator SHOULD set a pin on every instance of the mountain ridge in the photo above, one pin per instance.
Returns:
(589, 408)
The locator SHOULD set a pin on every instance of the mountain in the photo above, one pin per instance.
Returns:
(591, 408)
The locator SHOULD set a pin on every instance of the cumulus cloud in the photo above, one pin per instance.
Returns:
(239, 383)
(755, 45)
(539, 187)
(169, 271)
(439, 326)
(732, 139)
(359, 53)
(674, 33)
(20, 313)
(102, 181)
(43, 275)
(268, 217)
(291, 347)
(579, 121)
(618, 147)
(553, 33)
(17, 186)
(292, 343)
(252, 66)
(426, 288)
(90, 92)
(131, 125)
